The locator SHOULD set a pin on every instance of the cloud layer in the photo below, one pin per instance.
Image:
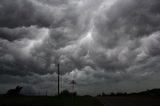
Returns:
(110, 43)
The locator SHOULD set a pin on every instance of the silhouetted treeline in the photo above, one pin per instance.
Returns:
(153, 92)
(113, 94)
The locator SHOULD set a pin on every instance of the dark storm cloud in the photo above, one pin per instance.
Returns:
(19, 33)
(95, 42)
(15, 52)
(121, 29)
(31, 12)
(128, 18)
(17, 13)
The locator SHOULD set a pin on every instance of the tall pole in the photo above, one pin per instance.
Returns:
(58, 79)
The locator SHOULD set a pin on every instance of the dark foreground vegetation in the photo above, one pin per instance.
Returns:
(49, 101)
(13, 97)
(66, 98)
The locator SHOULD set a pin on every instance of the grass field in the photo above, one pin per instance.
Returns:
(49, 101)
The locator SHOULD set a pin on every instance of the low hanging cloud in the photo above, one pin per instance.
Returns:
(109, 43)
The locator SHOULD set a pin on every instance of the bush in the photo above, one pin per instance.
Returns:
(67, 93)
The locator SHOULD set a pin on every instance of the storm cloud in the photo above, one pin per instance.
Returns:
(113, 44)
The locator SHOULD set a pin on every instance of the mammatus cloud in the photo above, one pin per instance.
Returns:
(109, 43)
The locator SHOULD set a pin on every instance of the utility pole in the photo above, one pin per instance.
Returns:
(58, 79)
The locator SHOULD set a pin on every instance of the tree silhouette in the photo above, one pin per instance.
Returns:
(14, 92)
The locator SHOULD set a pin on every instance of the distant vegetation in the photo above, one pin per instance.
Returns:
(66, 93)
(153, 92)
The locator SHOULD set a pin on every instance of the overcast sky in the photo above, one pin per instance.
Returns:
(104, 45)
